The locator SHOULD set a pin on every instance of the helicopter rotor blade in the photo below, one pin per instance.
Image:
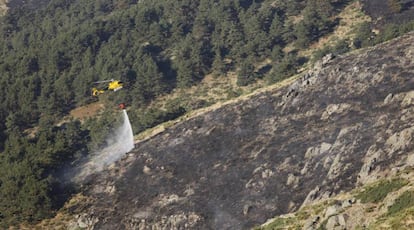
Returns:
(104, 81)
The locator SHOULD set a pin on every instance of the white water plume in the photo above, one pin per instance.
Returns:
(118, 143)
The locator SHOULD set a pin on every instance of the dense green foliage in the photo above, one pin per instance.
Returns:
(30, 169)
(51, 57)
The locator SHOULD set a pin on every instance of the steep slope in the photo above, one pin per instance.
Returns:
(347, 122)
(384, 204)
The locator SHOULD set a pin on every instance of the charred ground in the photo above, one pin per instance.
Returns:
(389, 11)
(344, 123)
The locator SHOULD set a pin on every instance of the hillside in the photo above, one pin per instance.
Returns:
(174, 57)
(180, 61)
(346, 123)
(384, 204)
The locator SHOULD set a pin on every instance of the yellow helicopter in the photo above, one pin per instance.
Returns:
(113, 85)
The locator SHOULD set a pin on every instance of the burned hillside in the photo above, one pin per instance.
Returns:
(346, 122)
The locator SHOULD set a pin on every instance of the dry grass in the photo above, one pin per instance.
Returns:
(3, 7)
(349, 19)
(248, 92)
(63, 217)
(84, 112)
(372, 215)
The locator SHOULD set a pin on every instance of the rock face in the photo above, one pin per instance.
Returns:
(346, 122)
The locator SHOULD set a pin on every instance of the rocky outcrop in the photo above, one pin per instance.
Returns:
(343, 124)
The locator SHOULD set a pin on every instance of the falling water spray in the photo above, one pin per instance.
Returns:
(119, 142)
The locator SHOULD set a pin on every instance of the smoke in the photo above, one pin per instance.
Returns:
(224, 220)
(118, 142)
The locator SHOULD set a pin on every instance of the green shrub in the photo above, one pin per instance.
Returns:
(395, 6)
(284, 69)
(406, 200)
(233, 93)
(151, 117)
(379, 191)
(364, 36)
